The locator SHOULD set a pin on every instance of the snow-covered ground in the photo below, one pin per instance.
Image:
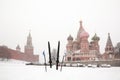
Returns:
(20, 71)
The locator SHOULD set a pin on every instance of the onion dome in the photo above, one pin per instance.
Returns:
(18, 48)
(95, 37)
(70, 37)
(84, 34)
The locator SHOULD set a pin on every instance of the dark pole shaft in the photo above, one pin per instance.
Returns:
(50, 61)
(57, 61)
(62, 63)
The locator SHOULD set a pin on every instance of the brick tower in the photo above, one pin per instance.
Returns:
(109, 49)
(28, 47)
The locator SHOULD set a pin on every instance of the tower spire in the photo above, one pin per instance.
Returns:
(81, 29)
(109, 49)
(29, 40)
(109, 45)
(109, 42)
(81, 26)
(28, 46)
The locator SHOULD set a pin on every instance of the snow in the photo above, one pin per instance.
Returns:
(20, 71)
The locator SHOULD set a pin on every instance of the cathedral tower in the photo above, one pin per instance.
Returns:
(109, 46)
(95, 43)
(83, 37)
(28, 47)
(80, 31)
(109, 49)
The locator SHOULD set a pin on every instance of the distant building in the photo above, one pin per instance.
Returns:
(109, 49)
(80, 49)
(28, 55)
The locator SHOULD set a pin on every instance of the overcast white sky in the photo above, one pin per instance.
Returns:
(54, 20)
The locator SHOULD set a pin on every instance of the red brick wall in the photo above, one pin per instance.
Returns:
(13, 54)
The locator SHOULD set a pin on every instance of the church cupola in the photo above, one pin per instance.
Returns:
(84, 34)
(18, 48)
(95, 38)
(28, 46)
(69, 45)
(70, 38)
(81, 33)
(95, 43)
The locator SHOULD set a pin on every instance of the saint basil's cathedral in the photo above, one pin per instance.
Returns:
(81, 49)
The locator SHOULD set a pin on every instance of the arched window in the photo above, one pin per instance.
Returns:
(77, 59)
(69, 58)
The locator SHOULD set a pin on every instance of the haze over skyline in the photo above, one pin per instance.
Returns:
(52, 20)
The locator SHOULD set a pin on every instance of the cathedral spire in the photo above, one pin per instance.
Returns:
(109, 45)
(109, 42)
(81, 26)
(81, 29)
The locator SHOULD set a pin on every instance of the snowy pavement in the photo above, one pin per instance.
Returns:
(20, 71)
